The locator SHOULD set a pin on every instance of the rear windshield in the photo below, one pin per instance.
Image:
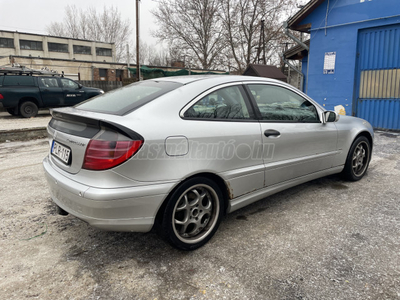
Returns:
(129, 98)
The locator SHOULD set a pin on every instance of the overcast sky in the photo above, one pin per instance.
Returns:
(33, 15)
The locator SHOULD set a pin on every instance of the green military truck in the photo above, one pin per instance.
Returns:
(23, 92)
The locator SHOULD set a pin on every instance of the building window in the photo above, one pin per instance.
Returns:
(56, 47)
(82, 49)
(103, 52)
(6, 43)
(119, 75)
(31, 45)
(103, 74)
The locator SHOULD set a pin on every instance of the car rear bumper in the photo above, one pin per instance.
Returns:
(119, 209)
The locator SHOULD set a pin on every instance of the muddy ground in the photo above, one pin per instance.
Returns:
(327, 239)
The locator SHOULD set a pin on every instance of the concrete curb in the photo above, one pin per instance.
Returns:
(23, 134)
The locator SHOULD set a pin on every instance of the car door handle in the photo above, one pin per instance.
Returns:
(272, 133)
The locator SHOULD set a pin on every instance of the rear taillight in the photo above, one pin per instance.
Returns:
(1, 97)
(105, 154)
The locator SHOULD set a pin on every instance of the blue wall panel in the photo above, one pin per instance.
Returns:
(381, 113)
(378, 55)
(346, 18)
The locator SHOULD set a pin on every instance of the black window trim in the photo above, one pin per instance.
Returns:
(257, 110)
(31, 41)
(53, 43)
(81, 47)
(239, 84)
(8, 39)
(100, 49)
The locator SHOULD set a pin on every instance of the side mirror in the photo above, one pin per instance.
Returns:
(330, 116)
(80, 85)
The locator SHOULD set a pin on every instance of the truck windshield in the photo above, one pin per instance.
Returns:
(129, 98)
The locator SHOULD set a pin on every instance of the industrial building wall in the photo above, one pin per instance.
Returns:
(331, 69)
(71, 68)
(378, 76)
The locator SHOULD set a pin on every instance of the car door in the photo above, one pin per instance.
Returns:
(51, 92)
(73, 94)
(296, 143)
(225, 136)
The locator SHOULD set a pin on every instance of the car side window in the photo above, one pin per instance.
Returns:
(49, 82)
(69, 83)
(18, 80)
(226, 103)
(280, 104)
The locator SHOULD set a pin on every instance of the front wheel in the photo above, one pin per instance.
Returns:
(358, 159)
(28, 109)
(193, 214)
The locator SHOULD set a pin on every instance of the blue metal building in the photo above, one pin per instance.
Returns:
(352, 58)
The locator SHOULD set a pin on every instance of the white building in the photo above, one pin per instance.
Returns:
(79, 59)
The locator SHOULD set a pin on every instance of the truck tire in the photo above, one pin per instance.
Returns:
(28, 109)
(13, 111)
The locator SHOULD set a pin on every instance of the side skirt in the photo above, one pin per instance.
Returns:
(247, 199)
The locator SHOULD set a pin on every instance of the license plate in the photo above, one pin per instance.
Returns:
(60, 151)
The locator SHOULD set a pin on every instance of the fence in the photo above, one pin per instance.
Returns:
(104, 85)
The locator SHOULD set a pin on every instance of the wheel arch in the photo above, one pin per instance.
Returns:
(25, 99)
(222, 184)
(367, 135)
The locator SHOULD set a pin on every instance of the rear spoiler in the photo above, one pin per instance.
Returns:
(86, 126)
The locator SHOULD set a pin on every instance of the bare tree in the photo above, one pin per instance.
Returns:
(243, 33)
(192, 24)
(159, 58)
(146, 53)
(225, 33)
(106, 26)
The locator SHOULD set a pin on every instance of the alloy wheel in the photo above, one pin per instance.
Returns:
(360, 158)
(195, 213)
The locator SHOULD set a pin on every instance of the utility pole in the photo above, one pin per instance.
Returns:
(137, 41)
(263, 35)
(262, 38)
(129, 65)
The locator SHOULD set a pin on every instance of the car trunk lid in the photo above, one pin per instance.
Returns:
(93, 141)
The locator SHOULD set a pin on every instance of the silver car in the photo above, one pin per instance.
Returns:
(179, 153)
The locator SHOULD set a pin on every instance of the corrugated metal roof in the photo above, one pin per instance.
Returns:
(265, 71)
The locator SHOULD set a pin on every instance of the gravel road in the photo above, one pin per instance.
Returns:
(9, 122)
(327, 239)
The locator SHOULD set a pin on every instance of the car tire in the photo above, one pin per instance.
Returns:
(60, 211)
(28, 109)
(13, 111)
(193, 213)
(357, 160)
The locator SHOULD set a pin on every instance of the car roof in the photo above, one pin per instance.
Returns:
(187, 79)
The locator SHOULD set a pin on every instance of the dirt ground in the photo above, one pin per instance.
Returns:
(327, 239)
(9, 122)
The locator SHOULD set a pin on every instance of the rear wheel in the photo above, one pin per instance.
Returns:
(358, 159)
(13, 111)
(193, 214)
(28, 109)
